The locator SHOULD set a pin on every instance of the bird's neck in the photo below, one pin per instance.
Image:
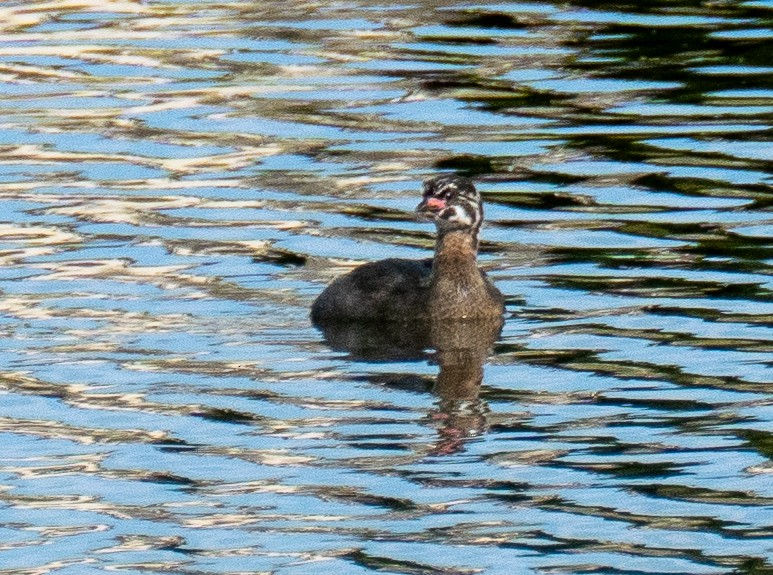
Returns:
(458, 289)
(455, 255)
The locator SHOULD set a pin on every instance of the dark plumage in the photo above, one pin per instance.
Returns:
(450, 286)
(378, 290)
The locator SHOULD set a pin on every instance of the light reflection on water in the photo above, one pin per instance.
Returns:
(178, 180)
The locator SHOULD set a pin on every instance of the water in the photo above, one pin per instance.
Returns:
(179, 180)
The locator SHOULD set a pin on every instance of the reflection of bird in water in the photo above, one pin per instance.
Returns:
(450, 286)
(396, 309)
(461, 348)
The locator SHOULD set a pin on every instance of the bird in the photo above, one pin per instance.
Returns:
(447, 287)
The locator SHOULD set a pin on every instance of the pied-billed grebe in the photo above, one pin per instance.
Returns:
(448, 287)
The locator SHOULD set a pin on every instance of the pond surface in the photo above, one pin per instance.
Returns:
(180, 179)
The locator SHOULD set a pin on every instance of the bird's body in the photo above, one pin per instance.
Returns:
(448, 287)
(379, 290)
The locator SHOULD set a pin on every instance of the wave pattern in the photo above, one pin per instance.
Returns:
(179, 179)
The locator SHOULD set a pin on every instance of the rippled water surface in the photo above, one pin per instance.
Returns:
(180, 179)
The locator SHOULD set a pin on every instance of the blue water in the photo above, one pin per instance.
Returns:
(179, 180)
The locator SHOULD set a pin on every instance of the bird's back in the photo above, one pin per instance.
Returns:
(391, 289)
